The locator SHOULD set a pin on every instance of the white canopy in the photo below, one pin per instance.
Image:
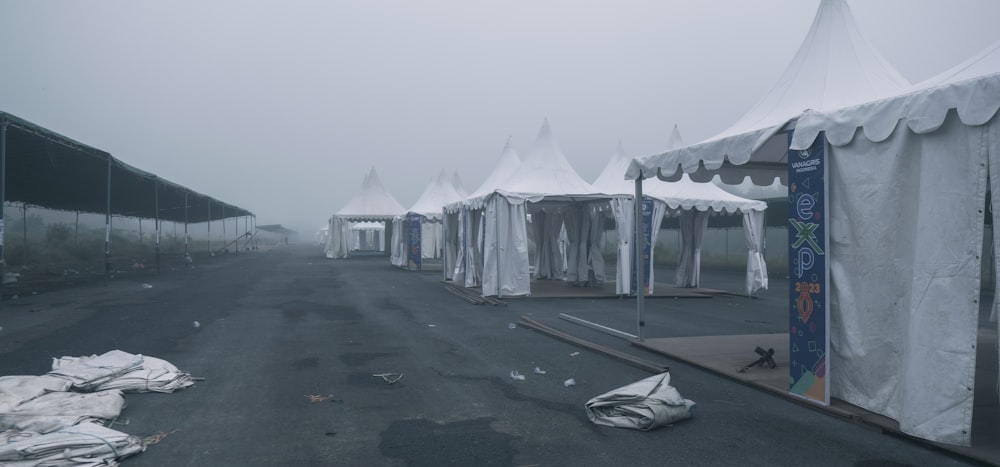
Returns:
(373, 203)
(544, 171)
(834, 67)
(438, 193)
(456, 182)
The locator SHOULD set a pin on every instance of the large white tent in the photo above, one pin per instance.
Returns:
(834, 67)
(909, 173)
(373, 204)
(440, 191)
(693, 202)
(463, 224)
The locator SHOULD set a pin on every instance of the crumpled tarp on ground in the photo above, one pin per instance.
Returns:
(642, 405)
(121, 370)
(86, 444)
(44, 423)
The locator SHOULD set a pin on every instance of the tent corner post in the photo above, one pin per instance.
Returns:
(638, 247)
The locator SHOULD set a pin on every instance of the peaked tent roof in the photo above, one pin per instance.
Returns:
(682, 194)
(438, 193)
(373, 203)
(505, 166)
(545, 171)
(834, 67)
(456, 182)
(972, 88)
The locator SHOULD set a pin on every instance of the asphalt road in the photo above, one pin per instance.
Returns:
(275, 327)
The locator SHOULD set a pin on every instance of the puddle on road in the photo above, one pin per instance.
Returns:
(468, 442)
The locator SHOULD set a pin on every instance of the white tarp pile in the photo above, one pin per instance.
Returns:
(121, 370)
(86, 444)
(642, 405)
(55, 419)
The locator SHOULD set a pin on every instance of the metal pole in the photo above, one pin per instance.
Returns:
(24, 233)
(3, 197)
(224, 227)
(76, 231)
(185, 225)
(107, 225)
(640, 273)
(210, 227)
(156, 219)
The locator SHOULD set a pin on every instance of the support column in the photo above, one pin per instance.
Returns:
(209, 227)
(185, 226)
(3, 197)
(107, 224)
(156, 219)
(638, 245)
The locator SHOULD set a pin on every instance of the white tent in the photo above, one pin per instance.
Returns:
(558, 199)
(463, 224)
(456, 182)
(834, 67)
(693, 202)
(908, 178)
(367, 236)
(373, 204)
(439, 192)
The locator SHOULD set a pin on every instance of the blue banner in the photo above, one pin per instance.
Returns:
(647, 234)
(413, 253)
(809, 329)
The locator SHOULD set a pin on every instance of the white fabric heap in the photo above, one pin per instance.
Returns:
(86, 444)
(123, 371)
(642, 405)
(16, 389)
(53, 411)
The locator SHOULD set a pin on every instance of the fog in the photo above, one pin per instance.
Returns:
(281, 107)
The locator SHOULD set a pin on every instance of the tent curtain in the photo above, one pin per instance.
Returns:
(430, 239)
(753, 228)
(337, 239)
(397, 255)
(452, 246)
(474, 249)
(903, 329)
(659, 210)
(546, 225)
(595, 250)
(621, 208)
(576, 251)
(692, 230)
(505, 255)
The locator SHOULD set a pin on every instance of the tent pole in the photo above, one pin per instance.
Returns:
(24, 233)
(224, 227)
(76, 231)
(209, 242)
(3, 197)
(185, 224)
(107, 224)
(156, 219)
(640, 280)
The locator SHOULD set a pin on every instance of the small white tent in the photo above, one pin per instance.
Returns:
(373, 204)
(693, 202)
(439, 192)
(463, 224)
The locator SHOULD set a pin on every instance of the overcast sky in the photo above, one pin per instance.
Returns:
(280, 107)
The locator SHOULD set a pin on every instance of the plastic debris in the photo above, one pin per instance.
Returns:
(574, 354)
(516, 376)
(642, 405)
(390, 378)
(155, 438)
(539, 371)
(314, 398)
(511, 325)
(569, 382)
(432, 325)
(196, 324)
(147, 286)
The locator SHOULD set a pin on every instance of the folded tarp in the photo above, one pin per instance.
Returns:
(642, 405)
(18, 388)
(86, 444)
(53, 411)
(121, 370)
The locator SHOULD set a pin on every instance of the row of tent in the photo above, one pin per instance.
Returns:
(482, 238)
(911, 167)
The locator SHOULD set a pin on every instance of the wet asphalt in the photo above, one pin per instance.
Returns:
(276, 327)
